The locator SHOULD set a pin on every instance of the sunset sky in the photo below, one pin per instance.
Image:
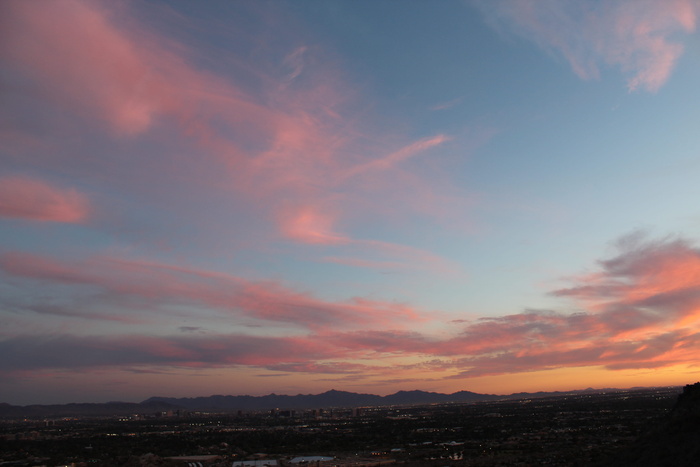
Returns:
(247, 197)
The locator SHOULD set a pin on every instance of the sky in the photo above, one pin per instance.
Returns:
(248, 197)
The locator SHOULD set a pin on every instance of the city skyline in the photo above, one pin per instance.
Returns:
(262, 197)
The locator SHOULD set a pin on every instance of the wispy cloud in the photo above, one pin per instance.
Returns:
(294, 149)
(161, 285)
(638, 311)
(295, 61)
(33, 199)
(641, 37)
(285, 153)
(390, 160)
(123, 89)
(448, 104)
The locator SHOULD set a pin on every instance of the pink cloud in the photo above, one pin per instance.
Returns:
(33, 199)
(639, 311)
(290, 151)
(96, 60)
(160, 284)
(635, 35)
(638, 315)
(642, 47)
(374, 254)
(330, 187)
(654, 352)
(656, 279)
(310, 225)
(293, 148)
(116, 85)
(391, 160)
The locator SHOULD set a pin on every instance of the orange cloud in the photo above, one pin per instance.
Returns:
(652, 283)
(640, 311)
(636, 315)
(33, 199)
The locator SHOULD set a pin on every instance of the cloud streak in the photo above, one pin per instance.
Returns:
(638, 37)
(292, 149)
(159, 285)
(639, 311)
(33, 199)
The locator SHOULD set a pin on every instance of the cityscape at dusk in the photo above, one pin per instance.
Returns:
(255, 197)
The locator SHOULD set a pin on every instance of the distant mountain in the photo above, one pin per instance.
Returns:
(328, 399)
(422, 397)
(346, 399)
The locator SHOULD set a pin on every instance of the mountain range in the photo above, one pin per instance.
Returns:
(329, 399)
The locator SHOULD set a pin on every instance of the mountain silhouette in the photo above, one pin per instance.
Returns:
(328, 399)
(221, 403)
